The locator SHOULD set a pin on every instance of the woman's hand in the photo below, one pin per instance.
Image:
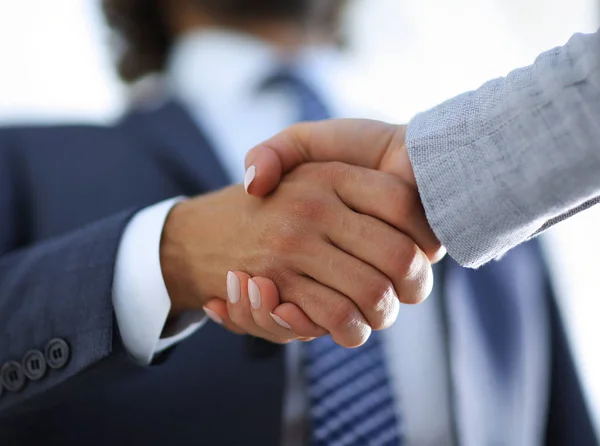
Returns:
(358, 142)
(259, 311)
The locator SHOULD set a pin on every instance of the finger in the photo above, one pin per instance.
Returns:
(240, 310)
(286, 316)
(216, 310)
(329, 309)
(262, 159)
(263, 301)
(369, 289)
(358, 142)
(389, 199)
(402, 265)
(301, 324)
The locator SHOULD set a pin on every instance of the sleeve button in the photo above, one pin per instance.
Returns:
(13, 376)
(57, 353)
(34, 365)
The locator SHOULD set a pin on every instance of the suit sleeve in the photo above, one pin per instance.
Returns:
(56, 314)
(501, 164)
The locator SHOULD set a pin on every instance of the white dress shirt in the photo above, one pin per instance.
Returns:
(140, 297)
(216, 75)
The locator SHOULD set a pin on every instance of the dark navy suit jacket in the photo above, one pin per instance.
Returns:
(66, 195)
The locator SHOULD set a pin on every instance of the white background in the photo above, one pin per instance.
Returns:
(55, 66)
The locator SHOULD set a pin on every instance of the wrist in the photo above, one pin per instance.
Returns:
(175, 268)
(198, 245)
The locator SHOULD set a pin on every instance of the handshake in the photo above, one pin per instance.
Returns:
(328, 247)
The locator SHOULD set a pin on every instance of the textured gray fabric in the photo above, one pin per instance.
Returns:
(498, 165)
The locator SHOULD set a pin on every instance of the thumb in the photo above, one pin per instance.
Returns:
(358, 142)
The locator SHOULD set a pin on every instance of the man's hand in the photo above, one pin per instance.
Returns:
(358, 142)
(329, 237)
(371, 144)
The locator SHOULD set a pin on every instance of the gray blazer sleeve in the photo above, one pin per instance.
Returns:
(499, 165)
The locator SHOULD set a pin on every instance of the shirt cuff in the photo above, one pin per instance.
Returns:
(140, 296)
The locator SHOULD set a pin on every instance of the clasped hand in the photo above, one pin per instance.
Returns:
(325, 247)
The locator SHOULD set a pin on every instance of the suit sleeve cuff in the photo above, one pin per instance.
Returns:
(140, 298)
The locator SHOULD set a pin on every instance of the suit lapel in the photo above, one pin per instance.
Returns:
(179, 146)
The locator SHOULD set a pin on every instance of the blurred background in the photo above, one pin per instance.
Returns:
(55, 66)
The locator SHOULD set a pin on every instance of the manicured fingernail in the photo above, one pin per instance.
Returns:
(281, 322)
(213, 316)
(249, 178)
(254, 294)
(233, 288)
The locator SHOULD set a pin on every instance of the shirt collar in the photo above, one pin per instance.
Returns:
(218, 67)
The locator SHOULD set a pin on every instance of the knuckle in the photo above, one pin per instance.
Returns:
(358, 336)
(362, 228)
(287, 238)
(309, 209)
(389, 314)
(401, 258)
(412, 274)
(343, 315)
(368, 229)
(376, 292)
(423, 286)
(382, 302)
(288, 232)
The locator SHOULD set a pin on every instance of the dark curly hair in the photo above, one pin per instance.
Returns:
(144, 37)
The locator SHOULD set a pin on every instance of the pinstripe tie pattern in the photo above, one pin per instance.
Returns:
(351, 401)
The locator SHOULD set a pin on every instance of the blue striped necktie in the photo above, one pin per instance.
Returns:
(351, 400)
